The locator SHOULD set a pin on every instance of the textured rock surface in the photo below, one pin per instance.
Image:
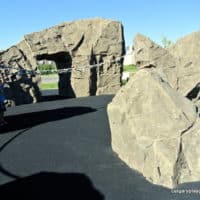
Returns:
(180, 63)
(148, 53)
(19, 88)
(151, 129)
(187, 51)
(78, 44)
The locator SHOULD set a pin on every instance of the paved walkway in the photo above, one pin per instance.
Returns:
(50, 79)
(61, 150)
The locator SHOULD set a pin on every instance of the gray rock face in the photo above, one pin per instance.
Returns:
(180, 63)
(187, 51)
(154, 129)
(148, 53)
(19, 88)
(75, 44)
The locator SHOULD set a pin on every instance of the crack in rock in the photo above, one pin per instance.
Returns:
(181, 164)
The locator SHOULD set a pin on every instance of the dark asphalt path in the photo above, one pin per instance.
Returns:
(61, 149)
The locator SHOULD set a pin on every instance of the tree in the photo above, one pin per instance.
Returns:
(166, 42)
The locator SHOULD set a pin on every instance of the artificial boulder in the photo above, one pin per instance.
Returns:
(180, 62)
(152, 129)
(19, 87)
(187, 50)
(76, 45)
(148, 53)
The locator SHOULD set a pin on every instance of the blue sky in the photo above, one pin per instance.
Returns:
(154, 18)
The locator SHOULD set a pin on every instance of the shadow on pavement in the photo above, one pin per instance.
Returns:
(51, 186)
(52, 98)
(27, 120)
(2, 169)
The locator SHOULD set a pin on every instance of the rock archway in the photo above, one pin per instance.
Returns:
(76, 44)
(62, 60)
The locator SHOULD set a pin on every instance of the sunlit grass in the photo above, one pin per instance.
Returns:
(129, 68)
(48, 86)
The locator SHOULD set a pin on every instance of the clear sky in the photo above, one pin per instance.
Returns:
(154, 18)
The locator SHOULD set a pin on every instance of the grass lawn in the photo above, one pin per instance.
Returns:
(48, 86)
(129, 68)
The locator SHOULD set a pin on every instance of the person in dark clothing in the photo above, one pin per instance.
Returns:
(2, 104)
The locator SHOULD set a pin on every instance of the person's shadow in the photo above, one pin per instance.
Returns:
(57, 186)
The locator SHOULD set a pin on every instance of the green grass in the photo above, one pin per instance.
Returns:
(129, 68)
(45, 67)
(48, 86)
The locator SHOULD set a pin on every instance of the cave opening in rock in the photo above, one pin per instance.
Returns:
(62, 60)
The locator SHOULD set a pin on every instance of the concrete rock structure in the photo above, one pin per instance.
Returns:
(180, 62)
(154, 118)
(154, 130)
(75, 44)
(148, 53)
(20, 87)
(186, 51)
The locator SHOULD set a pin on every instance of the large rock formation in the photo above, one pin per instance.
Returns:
(180, 62)
(148, 53)
(77, 44)
(19, 87)
(187, 51)
(155, 130)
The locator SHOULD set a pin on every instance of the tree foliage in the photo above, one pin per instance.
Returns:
(166, 42)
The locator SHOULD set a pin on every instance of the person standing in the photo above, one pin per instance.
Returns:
(2, 100)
